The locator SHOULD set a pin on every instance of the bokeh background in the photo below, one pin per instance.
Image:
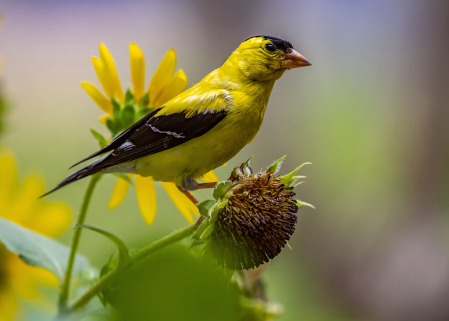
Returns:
(371, 114)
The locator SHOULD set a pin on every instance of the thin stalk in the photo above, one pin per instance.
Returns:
(138, 256)
(65, 288)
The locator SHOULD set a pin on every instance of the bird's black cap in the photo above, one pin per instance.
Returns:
(279, 43)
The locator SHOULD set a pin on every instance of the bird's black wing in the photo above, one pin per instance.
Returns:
(153, 134)
(117, 141)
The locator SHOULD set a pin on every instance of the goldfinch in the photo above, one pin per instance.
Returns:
(203, 127)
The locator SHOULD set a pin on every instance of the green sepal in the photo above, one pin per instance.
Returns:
(200, 229)
(294, 186)
(246, 169)
(104, 301)
(101, 140)
(123, 253)
(221, 189)
(129, 97)
(145, 100)
(223, 204)
(237, 172)
(143, 112)
(301, 203)
(208, 231)
(124, 176)
(228, 273)
(275, 166)
(195, 242)
(112, 126)
(116, 106)
(204, 206)
(127, 116)
(289, 178)
(213, 212)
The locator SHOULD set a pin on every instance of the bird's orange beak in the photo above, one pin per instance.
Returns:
(293, 59)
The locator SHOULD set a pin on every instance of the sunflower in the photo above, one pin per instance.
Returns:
(19, 203)
(164, 85)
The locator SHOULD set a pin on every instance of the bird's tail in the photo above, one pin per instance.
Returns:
(83, 172)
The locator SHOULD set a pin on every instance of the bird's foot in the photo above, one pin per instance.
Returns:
(189, 184)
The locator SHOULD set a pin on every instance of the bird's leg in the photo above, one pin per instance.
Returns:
(206, 185)
(188, 184)
(189, 195)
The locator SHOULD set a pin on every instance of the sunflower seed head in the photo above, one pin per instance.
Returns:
(256, 223)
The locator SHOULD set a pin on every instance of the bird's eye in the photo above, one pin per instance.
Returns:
(270, 47)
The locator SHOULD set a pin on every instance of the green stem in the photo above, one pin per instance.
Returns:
(63, 297)
(138, 256)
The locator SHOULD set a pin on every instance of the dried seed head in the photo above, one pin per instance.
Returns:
(256, 222)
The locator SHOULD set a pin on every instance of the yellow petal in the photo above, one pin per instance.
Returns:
(111, 72)
(174, 87)
(97, 97)
(8, 306)
(162, 75)
(146, 197)
(51, 219)
(102, 120)
(137, 70)
(184, 205)
(119, 193)
(22, 212)
(102, 76)
(8, 178)
(210, 177)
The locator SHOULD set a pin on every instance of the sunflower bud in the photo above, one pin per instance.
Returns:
(252, 219)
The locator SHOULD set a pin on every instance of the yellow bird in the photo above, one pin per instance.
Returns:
(203, 127)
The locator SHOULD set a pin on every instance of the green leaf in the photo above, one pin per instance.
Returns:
(101, 140)
(123, 253)
(221, 189)
(38, 250)
(124, 176)
(275, 166)
(128, 114)
(204, 206)
(289, 178)
(129, 97)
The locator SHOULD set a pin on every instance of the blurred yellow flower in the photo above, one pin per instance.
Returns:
(19, 203)
(164, 85)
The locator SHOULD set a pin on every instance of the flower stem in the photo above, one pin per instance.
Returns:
(138, 256)
(63, 297)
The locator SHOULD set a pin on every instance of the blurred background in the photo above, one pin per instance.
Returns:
(371, 114)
